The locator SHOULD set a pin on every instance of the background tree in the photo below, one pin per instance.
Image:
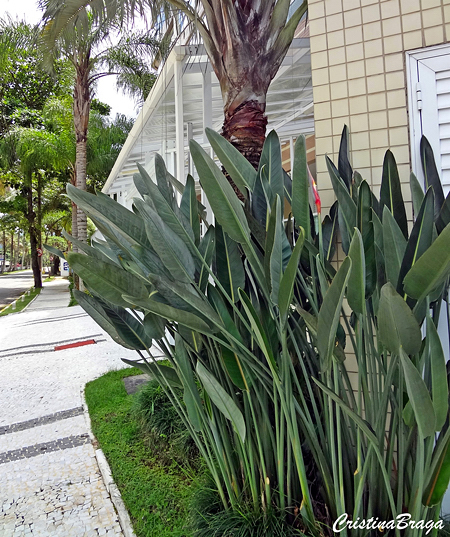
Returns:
(246, 42)
(27, 151)
(31, 151)
(88, 47)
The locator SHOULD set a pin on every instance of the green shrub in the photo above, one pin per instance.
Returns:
(259, 329)
(167, 435)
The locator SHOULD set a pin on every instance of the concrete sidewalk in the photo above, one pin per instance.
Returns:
(50, 483)
(54, 294)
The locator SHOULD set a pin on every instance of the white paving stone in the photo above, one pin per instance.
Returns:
(59, 493)
(50, 491)
(43, 433)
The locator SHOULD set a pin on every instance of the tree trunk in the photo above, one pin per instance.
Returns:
(81, 109)
(23, 249)
(39, 217)
(74, 232)
(11, 254)
(245, 128)
(4, 252)
(33, 232)
(81, 184)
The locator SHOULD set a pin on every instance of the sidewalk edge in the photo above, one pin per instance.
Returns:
(105, 470)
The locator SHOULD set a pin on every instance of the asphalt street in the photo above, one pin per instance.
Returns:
(13, 285)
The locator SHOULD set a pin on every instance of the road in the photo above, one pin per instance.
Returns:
(13, 285)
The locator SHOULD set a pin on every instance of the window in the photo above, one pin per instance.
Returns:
(429, 106)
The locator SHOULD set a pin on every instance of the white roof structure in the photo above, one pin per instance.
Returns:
(186, 99)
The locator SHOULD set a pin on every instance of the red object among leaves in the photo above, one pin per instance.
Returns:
(73, 345)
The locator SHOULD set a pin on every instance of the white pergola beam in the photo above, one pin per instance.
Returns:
(179, 122)
(207, 102)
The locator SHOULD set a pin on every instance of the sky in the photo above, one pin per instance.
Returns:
(106, 88)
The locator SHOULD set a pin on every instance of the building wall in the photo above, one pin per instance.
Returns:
(359, 78)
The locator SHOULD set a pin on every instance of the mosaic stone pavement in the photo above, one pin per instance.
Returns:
(50, 483)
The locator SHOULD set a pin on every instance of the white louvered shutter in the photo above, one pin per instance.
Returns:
(430, 107)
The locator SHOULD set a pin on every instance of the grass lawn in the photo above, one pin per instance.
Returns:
(21, 304)
(156, 493)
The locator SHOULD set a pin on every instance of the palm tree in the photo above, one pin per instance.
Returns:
(246, 41)
(87, 46)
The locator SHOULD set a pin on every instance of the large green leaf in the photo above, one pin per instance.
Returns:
(184, 297)
(189, 207)
(439, 480)
(164, 374)
(300, 187)
(288, 280)
(161, 179)
(347, 207)
(259, 202)
(121, 325)
(153, 326)
(105, 209)
(391, 192)
(419, 396)
(258, 329)
(233, 367)
(397, 326)
(140, 185)
(103, 246)
(344, 167)
(366, 227)
(125, 246)
(357, 289)
(170, 248)
(417, 193)
(54, 251)
(106, 279)
(420, 239)
(273, 261)
(191, 396)
(222, 400)
(225, 204)
(431, 174)
(229, 265)
(168, 312)
(329, 314)
(239, 168)
(444, 216)
(231, 332)
(394, 244)
(432, 268)
(179, 187)
(157, 202)
(439, 386)
(206, 249)
(81, 246)
(271, 161)
(329, 232)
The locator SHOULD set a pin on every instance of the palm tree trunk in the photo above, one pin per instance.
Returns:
(81, 109)
(245, 128)
(81, 184)
(33, 232)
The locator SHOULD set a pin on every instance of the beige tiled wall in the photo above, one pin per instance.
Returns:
(359, 79)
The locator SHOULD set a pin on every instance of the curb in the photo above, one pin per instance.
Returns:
(105, 470)
(30, 302)
(20, 298)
